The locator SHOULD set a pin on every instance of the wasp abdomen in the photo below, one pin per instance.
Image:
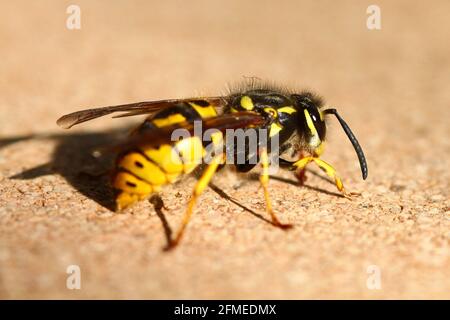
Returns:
(143, 171)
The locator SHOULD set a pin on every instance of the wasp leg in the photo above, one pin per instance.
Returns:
(300, 174)
(264, 179)
(198, 190)
(158, 204)
(329, 170)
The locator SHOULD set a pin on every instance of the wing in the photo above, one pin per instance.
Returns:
(147, 107)
(157, 136)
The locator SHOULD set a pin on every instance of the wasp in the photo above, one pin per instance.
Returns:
(149, 158)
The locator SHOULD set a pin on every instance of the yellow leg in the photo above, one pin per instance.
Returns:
(329, 170)
(264, 179)
(198, 190)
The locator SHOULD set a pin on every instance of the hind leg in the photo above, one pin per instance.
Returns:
(198, 190)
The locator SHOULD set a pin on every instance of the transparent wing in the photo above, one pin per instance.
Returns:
(163, 135)
(147, 107)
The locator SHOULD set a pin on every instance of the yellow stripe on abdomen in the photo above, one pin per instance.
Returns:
(145, 170)
(167, 121)
(204, 111)
(130, 184)
(142, 172)
(142, 168)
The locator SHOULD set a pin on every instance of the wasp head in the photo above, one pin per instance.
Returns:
(311, 120)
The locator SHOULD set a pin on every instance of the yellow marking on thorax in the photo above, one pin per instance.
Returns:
(274, 129)
(247, 103)
(172, 119)
(271, 111)
(204, 112)
(287, 109)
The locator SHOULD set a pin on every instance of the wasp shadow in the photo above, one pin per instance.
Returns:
(76, 158)
(295, 182)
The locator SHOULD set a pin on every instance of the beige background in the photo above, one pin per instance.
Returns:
(391, 85)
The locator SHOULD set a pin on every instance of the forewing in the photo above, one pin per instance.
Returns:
(157, 136)
(147, 107)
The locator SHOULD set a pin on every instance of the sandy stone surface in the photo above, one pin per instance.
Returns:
(391, 85)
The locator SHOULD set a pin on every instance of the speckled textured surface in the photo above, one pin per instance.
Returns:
(392, 87)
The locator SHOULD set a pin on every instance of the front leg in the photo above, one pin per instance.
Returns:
(300, 174)
(329, 170)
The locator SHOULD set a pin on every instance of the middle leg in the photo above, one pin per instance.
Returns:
(264, 179)
(198, 190)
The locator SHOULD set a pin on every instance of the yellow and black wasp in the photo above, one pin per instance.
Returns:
(149, 158)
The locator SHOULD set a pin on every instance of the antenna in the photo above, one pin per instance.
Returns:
(353, 140)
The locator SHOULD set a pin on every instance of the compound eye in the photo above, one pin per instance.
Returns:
(315, 115)
(318, 123)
